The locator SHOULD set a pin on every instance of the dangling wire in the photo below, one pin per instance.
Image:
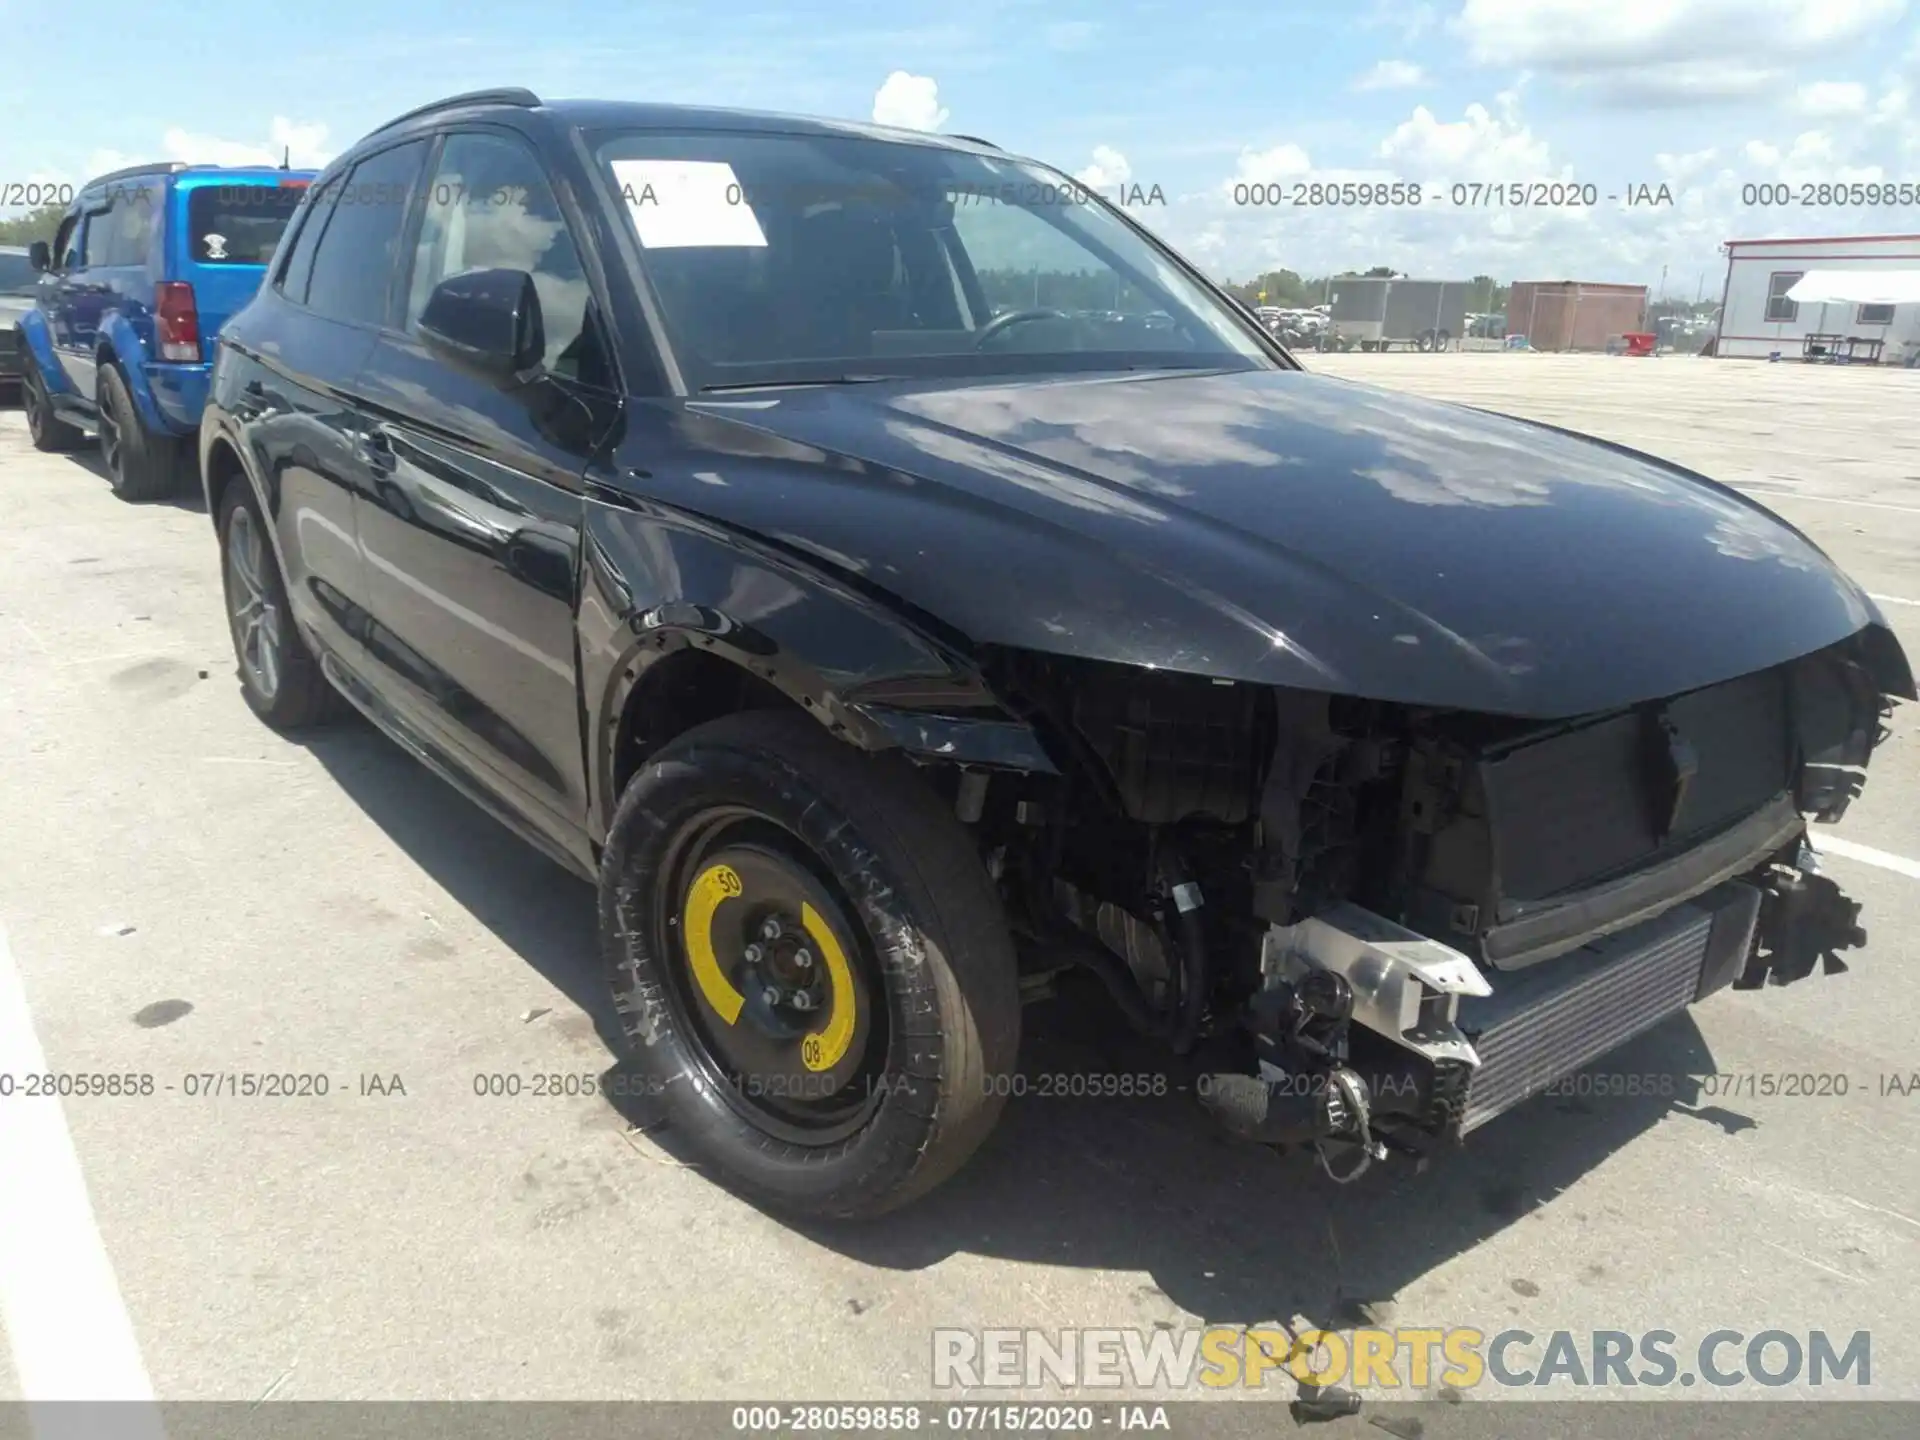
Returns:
(1354, 1092)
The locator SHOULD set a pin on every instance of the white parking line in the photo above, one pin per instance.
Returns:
(67, 1326)
(1892, 599)
(1763, 491)
(1866, 854)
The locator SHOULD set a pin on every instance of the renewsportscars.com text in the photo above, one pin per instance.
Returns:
(1460, 1358)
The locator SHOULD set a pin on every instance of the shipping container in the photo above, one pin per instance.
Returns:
(1575, 314)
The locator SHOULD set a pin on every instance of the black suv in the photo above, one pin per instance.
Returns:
(898, 580)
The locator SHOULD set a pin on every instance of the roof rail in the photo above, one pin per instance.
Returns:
(974, 140)
(162, 167)
(505, 95)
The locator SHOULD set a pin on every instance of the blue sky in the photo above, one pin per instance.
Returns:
(1704, 96)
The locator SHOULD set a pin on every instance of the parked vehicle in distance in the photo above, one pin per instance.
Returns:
(17, 281)
(1378, 313)
(145, 268)
(1491, 325)
(697, 492)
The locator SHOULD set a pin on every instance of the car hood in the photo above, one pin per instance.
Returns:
(1272, 526)
(12, 308)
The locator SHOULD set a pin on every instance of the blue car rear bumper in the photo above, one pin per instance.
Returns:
(179, 394)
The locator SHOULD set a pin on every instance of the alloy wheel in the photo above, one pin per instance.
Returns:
(110, 442)
(250, 604)
(34, 399)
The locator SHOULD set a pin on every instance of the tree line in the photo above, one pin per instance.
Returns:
(34, 225)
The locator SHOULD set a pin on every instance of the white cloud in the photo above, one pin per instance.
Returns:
(302, 146)
(1684, 168)
(1688, 83)
(105, 162)
(911, 102)
(1261, 167)
(1816, 130)
(1070, 34)
(1108, 170)
(1390, 75)
(1825, 99)
(1579, 36)
(1479, 145)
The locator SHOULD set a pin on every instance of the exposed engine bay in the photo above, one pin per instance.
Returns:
(1375, 927)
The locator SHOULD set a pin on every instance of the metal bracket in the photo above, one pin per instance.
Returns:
(1405, 985)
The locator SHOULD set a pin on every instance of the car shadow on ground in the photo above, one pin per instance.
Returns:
(543, 912)
(1229, 1232)
(187, 497)
(1235, 1233)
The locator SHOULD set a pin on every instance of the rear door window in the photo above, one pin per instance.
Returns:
(353, 268)
(237, 224)
(299, 267)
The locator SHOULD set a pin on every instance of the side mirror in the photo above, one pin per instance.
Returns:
(39, 256)
(486, 323)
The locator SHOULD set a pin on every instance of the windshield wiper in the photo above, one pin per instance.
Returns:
(795, 384)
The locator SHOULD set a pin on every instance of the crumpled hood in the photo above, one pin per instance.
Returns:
(1272, 526)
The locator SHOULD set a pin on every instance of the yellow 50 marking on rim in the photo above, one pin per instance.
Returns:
(717, 884)
(827, 1046)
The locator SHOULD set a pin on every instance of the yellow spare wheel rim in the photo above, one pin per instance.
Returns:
(780, 994)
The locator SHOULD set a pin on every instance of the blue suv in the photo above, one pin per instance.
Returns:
(147, 265)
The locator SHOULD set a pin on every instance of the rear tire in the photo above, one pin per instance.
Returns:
(47, 430)
(279, 676)
(920, 1073)
(141, 465)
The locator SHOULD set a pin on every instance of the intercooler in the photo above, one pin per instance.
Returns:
(1543, 1023)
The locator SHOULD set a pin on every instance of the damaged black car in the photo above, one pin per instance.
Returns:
(895, 578)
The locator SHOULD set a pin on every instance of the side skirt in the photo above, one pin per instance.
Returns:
(436, 759)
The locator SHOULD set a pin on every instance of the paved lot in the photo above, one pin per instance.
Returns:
(183, 892)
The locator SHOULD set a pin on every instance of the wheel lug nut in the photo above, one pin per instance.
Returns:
(754, 954)
(771, 995)
(770, 930)
(803, 958)
(802, 1000)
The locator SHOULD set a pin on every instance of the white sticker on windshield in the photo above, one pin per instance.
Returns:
(677, 203)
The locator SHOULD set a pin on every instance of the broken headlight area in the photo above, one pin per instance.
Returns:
(1382, 926)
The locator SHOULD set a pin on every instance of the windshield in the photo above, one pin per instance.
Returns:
(17, 277)
(782, 258)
